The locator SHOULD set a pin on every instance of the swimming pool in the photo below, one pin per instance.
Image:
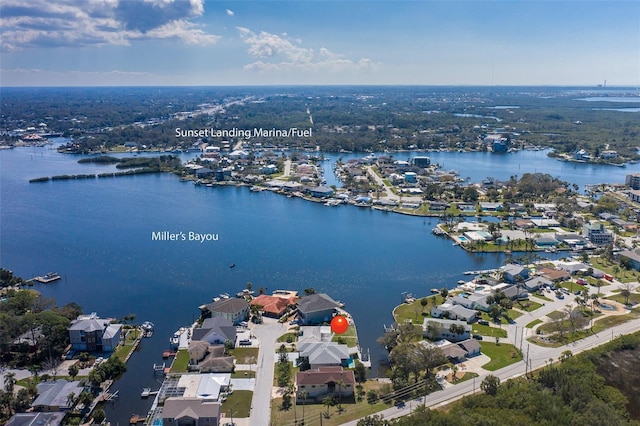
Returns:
(463, 239)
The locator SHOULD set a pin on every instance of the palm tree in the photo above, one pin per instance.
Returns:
(328, 402)
(71, 398)
(340, 384)
(303, 396)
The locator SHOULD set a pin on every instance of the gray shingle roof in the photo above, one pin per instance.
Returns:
(316, 302)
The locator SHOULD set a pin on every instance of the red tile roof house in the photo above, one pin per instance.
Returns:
(273, 306)
(325, 381)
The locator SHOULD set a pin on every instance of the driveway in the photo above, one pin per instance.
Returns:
(268, 334)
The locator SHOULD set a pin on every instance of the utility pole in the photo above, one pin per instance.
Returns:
(526, 371)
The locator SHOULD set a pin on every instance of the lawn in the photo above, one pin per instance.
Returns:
(180, 362)
(622, 276)
(348, 338)
(123, 350)
(315, 413)
(245, 355)
(288, 338)
(634, 298)
(527, 305)
(413, 311)
(612, 321)
(487, 330)
(501, 355)
(541, 296)
(243, 374)
(533, 323)
(237, 404)
(511, 314)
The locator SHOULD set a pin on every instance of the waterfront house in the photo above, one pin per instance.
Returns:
(204, 172)
(90, 333)
(511, 272)
(273, 306)
(204, 358)
(215, 331)
(438, 206)
(203, 386)
(596, 233)
(314, 333)
(544, 242)
(40, 419)
(326, 381)
(476, 301)
(436, 329)
(190, 412)
(574, 241)
(321, 191)
(235, 310)
(453, 311)
(54, 396)
(421, 161)
(321, 354)
(316, 309)
(490, 207)
(581, 155)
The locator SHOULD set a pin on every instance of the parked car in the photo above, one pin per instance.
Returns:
(559, 295)
(245, 342)
(477, 337)
(483, 322)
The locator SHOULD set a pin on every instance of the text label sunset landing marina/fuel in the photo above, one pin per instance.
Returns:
(256, 132)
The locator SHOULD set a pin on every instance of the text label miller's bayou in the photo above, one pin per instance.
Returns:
(183, 236)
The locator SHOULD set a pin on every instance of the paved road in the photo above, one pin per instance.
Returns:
(261, 402)
(538, 356)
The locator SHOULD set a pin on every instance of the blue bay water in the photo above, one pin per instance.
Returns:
(97, 234)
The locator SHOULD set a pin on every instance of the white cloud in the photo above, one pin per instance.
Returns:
(230, 12)
(77, 23)
(280, 53)
(35, 77)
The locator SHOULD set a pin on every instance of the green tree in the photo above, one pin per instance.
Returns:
(360, 372)
(73, 371)
(328, 402)
(99, 416)
(9, 382)
(374, 420)
(424, 302)
(490, 385)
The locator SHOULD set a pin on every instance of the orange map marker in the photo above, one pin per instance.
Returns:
(339, 324)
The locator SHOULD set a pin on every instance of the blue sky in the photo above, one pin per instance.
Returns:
(198, 42)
